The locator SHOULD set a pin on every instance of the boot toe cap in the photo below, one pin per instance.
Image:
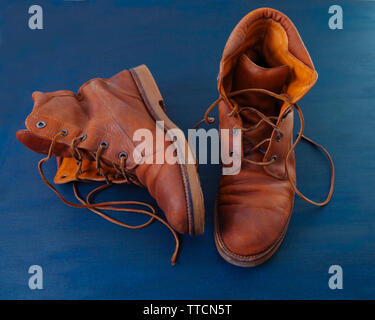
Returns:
(252, 231)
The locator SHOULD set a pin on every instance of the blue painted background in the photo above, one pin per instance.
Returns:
(86, 257)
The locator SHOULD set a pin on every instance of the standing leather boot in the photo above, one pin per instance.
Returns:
(264, 71)
(91, 133)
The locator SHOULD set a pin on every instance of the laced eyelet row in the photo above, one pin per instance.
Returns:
(123, 156)
(64, 133)
(292, 105)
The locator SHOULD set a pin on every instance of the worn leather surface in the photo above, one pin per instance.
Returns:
(106, 110)
(264, 51)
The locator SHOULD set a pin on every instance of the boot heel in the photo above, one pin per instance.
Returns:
(155, 105)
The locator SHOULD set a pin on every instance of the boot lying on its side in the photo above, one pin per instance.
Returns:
(91, 133)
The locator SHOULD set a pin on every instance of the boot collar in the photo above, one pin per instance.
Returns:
(277, 38)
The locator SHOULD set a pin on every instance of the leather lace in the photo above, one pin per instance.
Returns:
(236, 110)
(112, 205)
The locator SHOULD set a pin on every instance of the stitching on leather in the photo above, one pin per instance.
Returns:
(248, 258)
(144, 96)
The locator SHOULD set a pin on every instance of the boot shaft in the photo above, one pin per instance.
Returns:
(98, 124)
(264, 51)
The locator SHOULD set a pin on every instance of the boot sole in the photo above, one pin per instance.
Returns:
(249, 260)
(155, 105)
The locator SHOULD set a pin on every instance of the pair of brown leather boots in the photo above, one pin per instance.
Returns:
(264, 71)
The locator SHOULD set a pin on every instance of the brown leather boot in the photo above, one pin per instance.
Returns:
(91, 133)
(264, 71)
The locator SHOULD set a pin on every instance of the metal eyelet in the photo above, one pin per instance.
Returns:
(279, 136)
(123, 154)
(104, 144)
(274, 157)
(83, 137)
(40, 124)
(64, 176)
(65, 132)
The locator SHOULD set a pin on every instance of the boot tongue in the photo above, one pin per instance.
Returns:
(249, 75)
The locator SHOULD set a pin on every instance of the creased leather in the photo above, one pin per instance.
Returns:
(106, 110)
(264, 51)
